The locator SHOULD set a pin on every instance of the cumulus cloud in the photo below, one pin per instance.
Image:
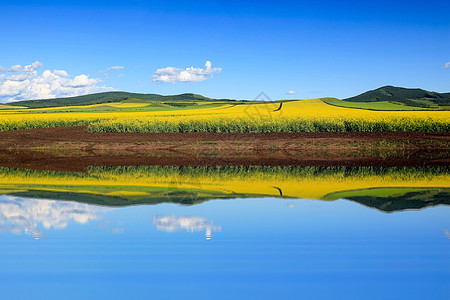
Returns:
(27, 84)
(446, 66)
(15, 68)
(172, 74)
(291, 93)
(61, 73)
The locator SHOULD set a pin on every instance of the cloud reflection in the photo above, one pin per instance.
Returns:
(19, 215)
(190, 224)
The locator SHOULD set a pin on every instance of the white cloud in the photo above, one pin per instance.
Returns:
(446, 66)
(291, 93)
(34, 66)
(27, 84)
(172, 74)
(113, 68)
(61, 73)
(15, 68)
(18, 68)
(82, 81)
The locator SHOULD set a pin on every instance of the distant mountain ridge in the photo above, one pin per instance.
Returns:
(109, 97)
(413, 97)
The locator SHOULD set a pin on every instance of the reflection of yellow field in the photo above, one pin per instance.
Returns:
(137, 182)
(306, 115)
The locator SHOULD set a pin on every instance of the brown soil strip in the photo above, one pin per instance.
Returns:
(74, 149)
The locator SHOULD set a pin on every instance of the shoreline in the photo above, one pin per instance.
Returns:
(75, 149)
(42, 136)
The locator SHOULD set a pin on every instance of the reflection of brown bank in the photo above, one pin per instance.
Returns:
(80, 161)
(74, 149)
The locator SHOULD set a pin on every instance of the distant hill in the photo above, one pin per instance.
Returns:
(109, 97)
(413, 97)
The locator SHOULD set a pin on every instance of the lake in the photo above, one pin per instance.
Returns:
(225, 232)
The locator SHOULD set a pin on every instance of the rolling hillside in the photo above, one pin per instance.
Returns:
(413, 97)
(6, 106)
(110, 97)
(384, 98)
(389, 95)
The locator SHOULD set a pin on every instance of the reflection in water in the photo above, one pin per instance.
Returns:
(27, 215)
(108, 227)
(19, 215)
(267, 250)
(386, 189)
(190, 224)
(271, 248)
(447, 233)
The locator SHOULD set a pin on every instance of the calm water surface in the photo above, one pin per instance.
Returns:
(252, 248)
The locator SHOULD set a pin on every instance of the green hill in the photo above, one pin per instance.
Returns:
(109, 97)
(412, 97)
(387, 94)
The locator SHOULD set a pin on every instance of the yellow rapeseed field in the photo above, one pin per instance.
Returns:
(294, 116)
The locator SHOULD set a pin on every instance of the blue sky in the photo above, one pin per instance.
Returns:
(316, 49)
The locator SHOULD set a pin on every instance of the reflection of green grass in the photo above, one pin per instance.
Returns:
(395, 199)
(180, 197)
(383, 105)
(190, 185)
(113, 195)
(375, 192)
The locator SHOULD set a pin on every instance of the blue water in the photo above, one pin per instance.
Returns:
(222, 249)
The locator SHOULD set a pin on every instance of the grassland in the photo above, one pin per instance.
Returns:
(10, 107)
(412, 97)
(113, 97)
(289, 116)
(382, 105)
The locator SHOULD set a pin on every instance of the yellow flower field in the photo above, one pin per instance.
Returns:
(293, 116)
